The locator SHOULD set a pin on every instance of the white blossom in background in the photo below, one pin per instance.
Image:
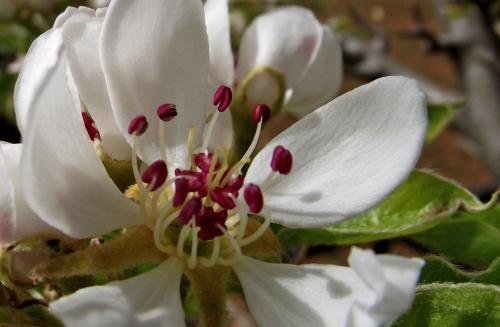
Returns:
(289, 40)
(336, 162)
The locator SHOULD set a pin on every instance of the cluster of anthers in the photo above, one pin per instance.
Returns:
(198, 215)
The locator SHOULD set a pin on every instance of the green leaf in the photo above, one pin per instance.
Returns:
(439, 117)
(421, 202)
(454, 305)
(469, 241)
(438, 270)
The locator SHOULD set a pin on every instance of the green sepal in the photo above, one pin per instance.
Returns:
(453, 305)
(423, 201)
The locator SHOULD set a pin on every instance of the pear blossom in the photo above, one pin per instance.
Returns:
(154, 62)
(288, 41)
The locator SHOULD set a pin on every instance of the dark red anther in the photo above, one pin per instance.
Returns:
(138, 125)
(181, 191)
(87, 119)
(212, 224)
(282, 160)
(236, 182)
(191, 208)
(253, 197)
(261, 111)
(92, 131)
(222, 98)
(167, 112)
(224, 197)
(156, 173)
(204, 161)
(196, 180)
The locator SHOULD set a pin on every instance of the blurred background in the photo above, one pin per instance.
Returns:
(450, 47)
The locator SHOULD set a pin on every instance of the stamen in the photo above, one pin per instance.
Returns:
(92, 131)
(159, 230)
(190, 140)
(194, 247)
(223, 197)
(232, 241)
(261, 112)
(182, 239)
(181, 191)
(191, 208)
(156, 174)
(215, 254)
(222, 98)
(167, 112)
(282, 160)
(253, 197)
(138, 125)
(255, 236)
(242, 213)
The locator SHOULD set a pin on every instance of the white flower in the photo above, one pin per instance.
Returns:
(288, 40)
(347, 156)
(17, 220)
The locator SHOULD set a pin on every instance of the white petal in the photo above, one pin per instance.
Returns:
(348, 155)
(63, 180)
(7, 205)
(25, 222)
(168, 63)
(322, 81)
(81, 38)
(41, 59)
(219, 41)
(148, 300)
(286, 39)
(327, 295)
(70, 12)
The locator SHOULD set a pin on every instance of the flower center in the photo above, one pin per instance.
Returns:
(198, 214)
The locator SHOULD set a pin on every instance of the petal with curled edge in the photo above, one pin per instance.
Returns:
(168, 63)
(62, 178)
(81, 39)
(347, 156)
(285, 39)
(151, 299)
(322, 81)
(328, 295)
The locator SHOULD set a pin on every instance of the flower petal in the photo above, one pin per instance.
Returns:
(64, 181)
(286, 39)
(327, 295)
(24, 221)
(81, 38)
(168, 63)
(348, 155)
(322, 81)
(41, 59)
(7, 205)
(219, 41)
(151, 299)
